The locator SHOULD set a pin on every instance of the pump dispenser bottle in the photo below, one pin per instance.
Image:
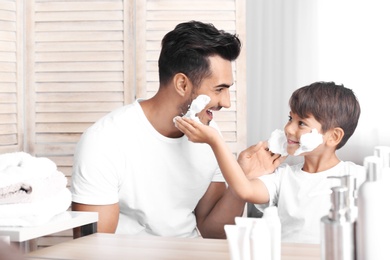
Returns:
(337, 228)
(350, 182)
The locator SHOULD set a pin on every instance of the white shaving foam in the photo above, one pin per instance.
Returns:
(309, 142)
(277, 143)
(197, 105)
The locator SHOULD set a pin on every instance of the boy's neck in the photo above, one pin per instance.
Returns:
(319, 164)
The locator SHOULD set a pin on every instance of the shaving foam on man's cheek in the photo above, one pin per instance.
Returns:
(277, 143)
(197, 105)
(309, 142)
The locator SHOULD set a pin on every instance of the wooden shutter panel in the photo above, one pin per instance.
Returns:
(11, 77)
(155, 18)
(78, 68)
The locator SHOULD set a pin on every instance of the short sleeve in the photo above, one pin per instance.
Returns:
(218, 177)
(272, 183)
(95, 176)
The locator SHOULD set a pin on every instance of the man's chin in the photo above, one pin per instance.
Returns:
(205, 121)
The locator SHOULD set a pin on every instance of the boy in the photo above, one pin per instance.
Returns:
(302, 191)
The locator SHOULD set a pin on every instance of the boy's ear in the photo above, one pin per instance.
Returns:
(336, 135)
(180, 81)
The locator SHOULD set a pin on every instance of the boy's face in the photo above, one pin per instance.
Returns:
(296, 127)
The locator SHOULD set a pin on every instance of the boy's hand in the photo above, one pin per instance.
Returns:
(257, 160)
(195, 131)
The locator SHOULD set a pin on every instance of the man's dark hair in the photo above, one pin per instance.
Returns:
(331, 105)
(186, 50)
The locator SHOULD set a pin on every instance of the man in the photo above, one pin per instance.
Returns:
(137, 169)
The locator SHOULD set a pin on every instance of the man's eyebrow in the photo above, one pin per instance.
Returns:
(224, 85)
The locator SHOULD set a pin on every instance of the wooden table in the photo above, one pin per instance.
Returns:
(113, 246)
(24, 236)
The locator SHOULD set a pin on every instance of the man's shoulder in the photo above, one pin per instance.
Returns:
(120, 116)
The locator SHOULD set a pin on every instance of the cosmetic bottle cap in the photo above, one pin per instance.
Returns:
(383, 152)
(372, 164)
(348, 181)
(339, 210)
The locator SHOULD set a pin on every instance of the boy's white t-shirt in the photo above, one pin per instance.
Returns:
(303, 198)
(157, 181)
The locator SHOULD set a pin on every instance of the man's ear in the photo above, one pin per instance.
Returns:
(180, 81)
(336, 135)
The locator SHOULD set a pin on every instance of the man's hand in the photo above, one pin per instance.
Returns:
(257, 160)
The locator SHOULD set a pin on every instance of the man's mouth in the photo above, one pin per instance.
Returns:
(209, 113)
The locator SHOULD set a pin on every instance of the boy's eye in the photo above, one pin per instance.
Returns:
(289, 118)
(301, 123)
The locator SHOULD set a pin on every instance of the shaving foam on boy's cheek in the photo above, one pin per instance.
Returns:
(309, 142)
(277, 143)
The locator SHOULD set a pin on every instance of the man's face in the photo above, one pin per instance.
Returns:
(216, 87)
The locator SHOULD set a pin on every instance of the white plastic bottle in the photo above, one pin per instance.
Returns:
(260, 240)
(273, 222)
(373, 226)
(383, 152)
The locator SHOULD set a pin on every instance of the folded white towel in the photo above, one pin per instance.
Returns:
(33, 189)
(35, 213)
(20, 166)
(24, 178)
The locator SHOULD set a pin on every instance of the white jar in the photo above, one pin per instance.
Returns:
(373, 224)
(273, 221)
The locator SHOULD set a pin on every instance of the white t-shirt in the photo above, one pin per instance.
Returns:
(157, 181)
(303, 198)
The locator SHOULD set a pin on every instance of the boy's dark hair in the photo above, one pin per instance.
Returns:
(331, 105)
(186, 50)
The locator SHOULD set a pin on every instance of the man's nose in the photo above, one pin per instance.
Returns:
(225, 99)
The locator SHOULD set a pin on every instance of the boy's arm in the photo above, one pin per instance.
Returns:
(249, 190)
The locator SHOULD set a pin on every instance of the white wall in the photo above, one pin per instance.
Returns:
(355, 50)
(294, 43)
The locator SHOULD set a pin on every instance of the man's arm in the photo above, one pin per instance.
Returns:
(107, 219)
(218, 207)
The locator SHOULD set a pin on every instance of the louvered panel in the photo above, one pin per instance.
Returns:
(79, 87)
(48, 47)
(77, 107)
(59, 137)
(66, 26)
(68, 117)
(200, 5)
(79, 97)
(163, 16)
(79, 66)
(77, 69)
(11, 80)
(85, 56)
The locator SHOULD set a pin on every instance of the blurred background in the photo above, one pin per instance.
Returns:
(291, 44)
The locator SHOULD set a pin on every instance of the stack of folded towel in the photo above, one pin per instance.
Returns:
(32, 190)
